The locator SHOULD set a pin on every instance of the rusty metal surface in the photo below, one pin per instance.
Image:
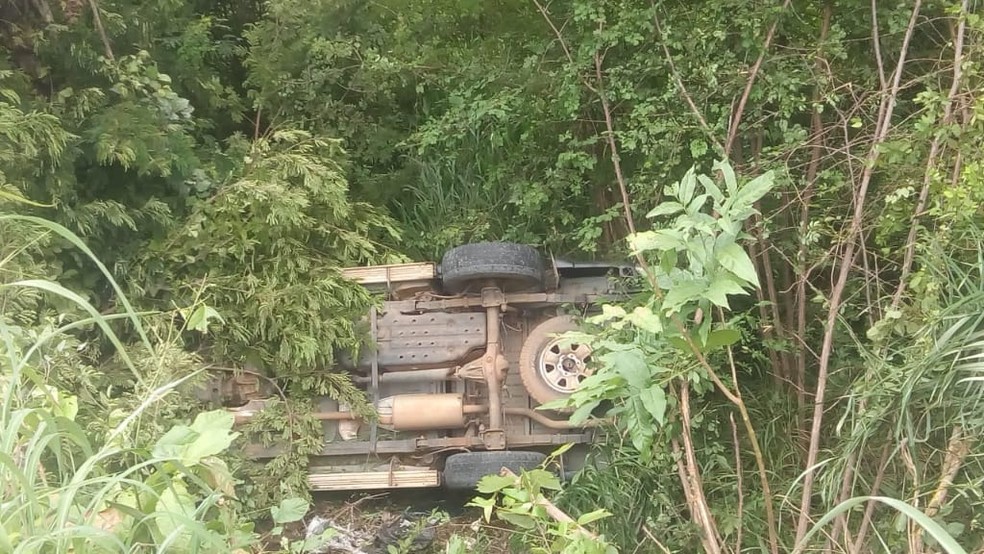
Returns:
(517, 299)
(492, 296)
(417, 446)
(410, 376)
(548, 422)
(494, 437)
(514, 394)
(374, 379)
(427, 340)
(420, 412)
(432, 335)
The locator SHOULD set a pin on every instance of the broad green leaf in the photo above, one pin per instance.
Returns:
(730, 181)
(668, 261)
(696, 205)
(656, 240)
(214, 420)
(583, 412)
(173, 443)
(753, 190)
(486, 504)
(208, 436)
(66, 406)
(218, 476)
(214, 436)
(664, 209)
(542, 479)
(720, 288)
(736, 260)
(518, 495)
(201, 317)
(721, 337)
(289, 510)
(711, 188)
(644, 318)
(494, 483)
(556, 404)
(640, 434)
(593, 516)
(519, 520)
(728, 226)
(630, 365)
(682, 293)
(654, 399)
(174, 510)
(680, 343)
(685, 192)
(608, 312)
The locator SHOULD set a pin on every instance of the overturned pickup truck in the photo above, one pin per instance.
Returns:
(462, 353)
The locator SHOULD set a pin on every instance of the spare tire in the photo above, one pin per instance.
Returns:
(464, 471)
(514, 267)
(552, 368)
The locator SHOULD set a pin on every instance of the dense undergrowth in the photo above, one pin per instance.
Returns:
(804, 372)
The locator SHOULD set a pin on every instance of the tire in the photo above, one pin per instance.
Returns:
(463, 471)
(515, 267)
(538, 379)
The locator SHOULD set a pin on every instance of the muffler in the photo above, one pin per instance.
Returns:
(425, 412)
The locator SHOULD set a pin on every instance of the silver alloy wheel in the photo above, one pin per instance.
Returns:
(563, 365)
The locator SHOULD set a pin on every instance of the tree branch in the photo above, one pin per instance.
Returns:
(683, 89)
(869, 509)
(934, 150)
(847, 261)
(738, 472)
(97, 20)
(812, 170)
(736, 117)
(876, 42)
(560, 37)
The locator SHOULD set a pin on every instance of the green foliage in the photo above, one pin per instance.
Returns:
(198, 148)
(68, 482)
(641, 491)
(945, 540)
(520, 501)
(293, 510)
(265, 246)
(697, 261)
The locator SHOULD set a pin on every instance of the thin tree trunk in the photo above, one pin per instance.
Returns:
(752, 75)
(881, 132)
(869, 509)
(766, 329)
(934, 149)
(97, 20)
(699, 506)
(741, 489)
(816, 127)
(710, 536)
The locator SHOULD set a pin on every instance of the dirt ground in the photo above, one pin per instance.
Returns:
(365, 523)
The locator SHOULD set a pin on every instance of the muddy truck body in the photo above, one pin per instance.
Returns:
(461, 355)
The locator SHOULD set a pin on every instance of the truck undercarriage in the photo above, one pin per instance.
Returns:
(461, 355)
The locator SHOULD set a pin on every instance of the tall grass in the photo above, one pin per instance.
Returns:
(454, 204)
(66, 489)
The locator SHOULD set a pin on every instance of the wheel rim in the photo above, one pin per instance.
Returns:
(563, 365)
